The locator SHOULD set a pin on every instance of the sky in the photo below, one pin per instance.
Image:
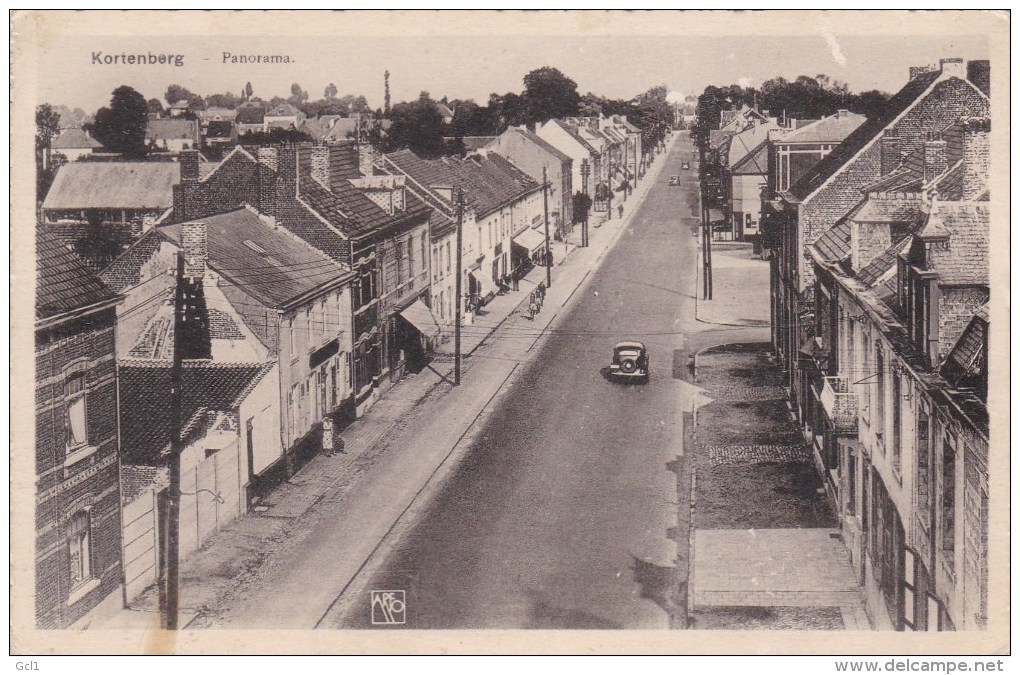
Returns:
(473, 66)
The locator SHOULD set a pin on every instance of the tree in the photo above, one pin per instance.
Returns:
(226, 100)
(154, 105)
(297, 94)
(121, 126)
(275, 136)
(248, 91)
(417, 126)
(386, 105)
(330, 92)
(47, 126)
(176, 92)
(549, 94)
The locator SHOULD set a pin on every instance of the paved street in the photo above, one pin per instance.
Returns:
(561, 514)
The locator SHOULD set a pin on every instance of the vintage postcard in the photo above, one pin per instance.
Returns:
(510, 332)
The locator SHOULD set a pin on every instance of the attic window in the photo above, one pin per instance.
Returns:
(255, 247)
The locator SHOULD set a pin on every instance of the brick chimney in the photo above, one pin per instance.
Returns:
(936, 159)
(189, 161)
(954, 67)
(320, 165)
(980, 75)
(195, 244)
(890, 150)
(976, 156)
(268, 161)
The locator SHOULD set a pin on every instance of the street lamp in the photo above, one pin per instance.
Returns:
(585, 172)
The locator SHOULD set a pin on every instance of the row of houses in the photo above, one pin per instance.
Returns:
(310, 287)
(879, 251)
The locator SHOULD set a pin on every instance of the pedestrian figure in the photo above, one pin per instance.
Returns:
(515, 283)
(327, 436)
(532, 308)
(621, 210)
(340, 447)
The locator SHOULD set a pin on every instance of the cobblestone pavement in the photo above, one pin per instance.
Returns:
(755, 454)
(764, 393)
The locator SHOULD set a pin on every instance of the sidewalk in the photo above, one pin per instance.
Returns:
(246, 544)
(766, 547)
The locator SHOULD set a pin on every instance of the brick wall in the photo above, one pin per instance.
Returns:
(92, 482)
(234, 183)
(867, 242)
(948, 101)
(976, 157)
(956, 308)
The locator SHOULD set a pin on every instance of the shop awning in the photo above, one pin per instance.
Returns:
(488, 287)
(530, 240)
(422, 318)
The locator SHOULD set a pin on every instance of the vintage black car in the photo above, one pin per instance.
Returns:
(630, 361)
(674, 180)
(685, 165)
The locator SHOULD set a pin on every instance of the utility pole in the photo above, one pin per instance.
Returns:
(707, 252)
(585, 172)
(545, 206)
(171, 527)
(460, 303)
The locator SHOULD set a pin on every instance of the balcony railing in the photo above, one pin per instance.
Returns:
(840, 404)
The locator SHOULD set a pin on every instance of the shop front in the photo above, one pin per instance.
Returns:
(526, 250)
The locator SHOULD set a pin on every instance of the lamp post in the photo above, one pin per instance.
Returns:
(585, 172)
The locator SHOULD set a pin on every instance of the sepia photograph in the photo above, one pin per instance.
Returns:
(508, 332)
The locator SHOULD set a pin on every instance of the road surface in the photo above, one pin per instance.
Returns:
(563, 513)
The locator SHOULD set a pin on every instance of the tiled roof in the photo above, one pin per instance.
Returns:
(174, 128)
(145, 402)
(125, 271)
(488, 181)
(949, 186)
(114, 185)
(342, 129)
(834, 244)
(966, 365)
(63, 283)
(878, 267)
(831, 129)
(74, 139)
(250, 114)
(282, 110)
(315, 127)
(222, 326)
(287, 269)
(864, 134)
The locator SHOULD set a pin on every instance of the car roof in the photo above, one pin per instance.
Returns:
(629, 345)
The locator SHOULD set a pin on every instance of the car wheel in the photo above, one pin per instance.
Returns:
(628, 366)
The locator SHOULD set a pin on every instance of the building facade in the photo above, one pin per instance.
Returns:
(78, 564)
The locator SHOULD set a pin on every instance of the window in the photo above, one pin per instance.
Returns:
(309, 328)
(448, 257)
(923, 467)
(292, 331)
(79, 548)
(75, 420)
(851, 482)
(400, 264)
(897, 402)
(879, 390)
(947, 521)
(424, 252)
(410, 256)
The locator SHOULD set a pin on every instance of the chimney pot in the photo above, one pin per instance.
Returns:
(320, 164)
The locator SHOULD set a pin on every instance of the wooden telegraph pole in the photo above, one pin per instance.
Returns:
(171, 525)
(545, 203)
(460, 303)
